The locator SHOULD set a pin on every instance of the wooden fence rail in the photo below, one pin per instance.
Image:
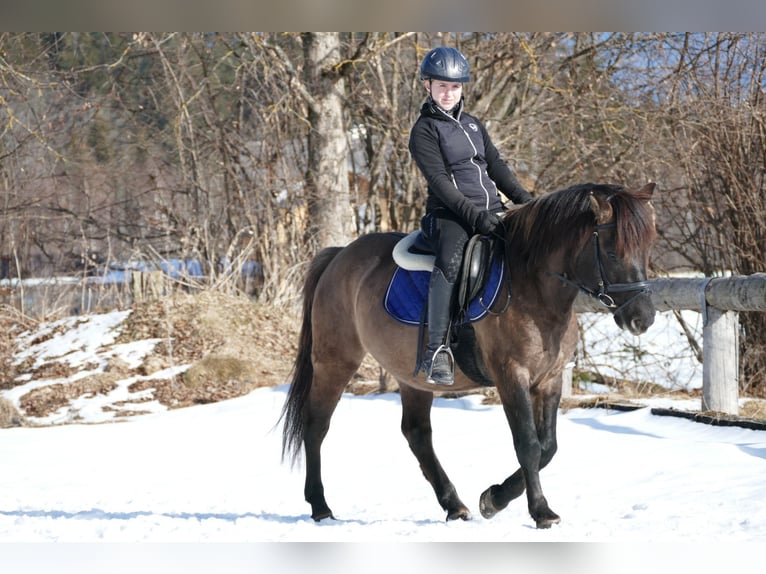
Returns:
(719, 300)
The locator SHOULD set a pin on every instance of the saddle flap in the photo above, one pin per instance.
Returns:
(476, 264)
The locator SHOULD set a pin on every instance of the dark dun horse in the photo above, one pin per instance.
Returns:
(590, 237)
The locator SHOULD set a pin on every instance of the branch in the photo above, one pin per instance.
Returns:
(364, 53)
(294, 81)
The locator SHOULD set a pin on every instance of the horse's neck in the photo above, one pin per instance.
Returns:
(543, 288)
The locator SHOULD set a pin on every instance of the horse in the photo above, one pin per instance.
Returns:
(594, 238)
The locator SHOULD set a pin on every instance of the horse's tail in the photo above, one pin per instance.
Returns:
(303, 370)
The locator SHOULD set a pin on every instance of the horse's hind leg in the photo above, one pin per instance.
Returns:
(416, 427)
(329, 381)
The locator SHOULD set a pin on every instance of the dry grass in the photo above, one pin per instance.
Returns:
(753, 409)
(9, 415)
(46, 400)
(230, 345)
(12, 324)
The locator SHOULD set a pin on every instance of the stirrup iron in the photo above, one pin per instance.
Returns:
(450, 363)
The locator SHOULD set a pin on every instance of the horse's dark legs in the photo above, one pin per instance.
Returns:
(533, 423)
(416, 427)
(317, 426)
(327, 388)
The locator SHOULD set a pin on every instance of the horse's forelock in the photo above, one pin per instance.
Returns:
(634, 217)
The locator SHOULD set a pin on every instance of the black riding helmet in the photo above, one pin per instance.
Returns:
(446, 64)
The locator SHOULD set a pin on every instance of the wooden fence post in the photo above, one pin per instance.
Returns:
(720, 366)
(566, 381)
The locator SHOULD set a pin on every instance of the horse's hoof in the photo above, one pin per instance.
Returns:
(548, 521)
(486, 506)
(461, 513)
(317, 516)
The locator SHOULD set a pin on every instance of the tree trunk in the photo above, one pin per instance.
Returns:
(331, 214)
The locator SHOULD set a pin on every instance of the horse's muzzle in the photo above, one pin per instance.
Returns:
(637, 314)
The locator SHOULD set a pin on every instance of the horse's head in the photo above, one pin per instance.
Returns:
(592, 237)
(611, 264)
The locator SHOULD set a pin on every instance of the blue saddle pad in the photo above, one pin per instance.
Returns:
(408, 290)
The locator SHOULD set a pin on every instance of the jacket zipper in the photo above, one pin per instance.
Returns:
(481, 180)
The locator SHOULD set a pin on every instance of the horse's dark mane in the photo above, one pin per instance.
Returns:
(563, 217)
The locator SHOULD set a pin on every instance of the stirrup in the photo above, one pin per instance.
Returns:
(450, 363)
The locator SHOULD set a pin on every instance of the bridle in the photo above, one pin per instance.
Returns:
(604, 290)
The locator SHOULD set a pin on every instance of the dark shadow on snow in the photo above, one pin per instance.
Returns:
(596, 424)
(98, 514)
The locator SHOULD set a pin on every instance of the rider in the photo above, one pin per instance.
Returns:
(464, 171)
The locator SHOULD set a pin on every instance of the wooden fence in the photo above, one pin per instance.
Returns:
(719, 300)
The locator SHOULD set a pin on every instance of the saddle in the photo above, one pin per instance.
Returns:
(413, 253)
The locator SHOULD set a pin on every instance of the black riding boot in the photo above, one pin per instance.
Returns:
(438, 362)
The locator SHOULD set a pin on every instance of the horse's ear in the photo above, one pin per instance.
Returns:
(648, 189)
(648, 192)
(602, 209)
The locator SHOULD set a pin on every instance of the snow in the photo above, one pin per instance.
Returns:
(662, 355)
(213, 474)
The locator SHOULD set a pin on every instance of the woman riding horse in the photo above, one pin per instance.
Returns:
(464, 172)
(590, 238)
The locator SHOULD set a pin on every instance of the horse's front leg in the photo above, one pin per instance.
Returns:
(533, 424)
(416, 428)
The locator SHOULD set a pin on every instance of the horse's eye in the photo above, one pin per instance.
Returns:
(611, 255)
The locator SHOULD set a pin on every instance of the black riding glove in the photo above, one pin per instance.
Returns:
(488, 223)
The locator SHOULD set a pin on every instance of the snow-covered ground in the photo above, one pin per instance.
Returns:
(644, 484)
(212, 474)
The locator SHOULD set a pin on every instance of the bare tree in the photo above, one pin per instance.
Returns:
(717, 126)
(331, 218)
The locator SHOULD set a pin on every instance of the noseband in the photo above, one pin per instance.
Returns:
(603, 292)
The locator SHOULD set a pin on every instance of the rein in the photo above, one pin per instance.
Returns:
(604, 289)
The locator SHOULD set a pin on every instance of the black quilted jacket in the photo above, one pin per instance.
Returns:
(461, 165)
